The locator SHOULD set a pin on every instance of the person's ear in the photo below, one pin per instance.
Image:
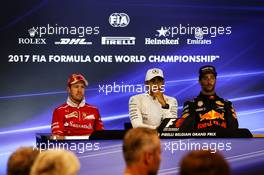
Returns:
(148, 157)
(68, 89)
(199, 81)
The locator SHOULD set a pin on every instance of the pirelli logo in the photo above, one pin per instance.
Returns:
(108, 40)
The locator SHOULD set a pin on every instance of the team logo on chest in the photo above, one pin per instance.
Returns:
(219, 103)
(200, 103)
(72, 115)
(211, 115)
(86, 116)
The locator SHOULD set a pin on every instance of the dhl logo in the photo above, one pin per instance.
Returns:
(211, 115)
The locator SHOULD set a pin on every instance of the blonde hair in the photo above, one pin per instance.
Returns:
(56, 162)
(21, 161)
(137, 140)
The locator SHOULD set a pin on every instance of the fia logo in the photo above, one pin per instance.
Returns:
(119, 19)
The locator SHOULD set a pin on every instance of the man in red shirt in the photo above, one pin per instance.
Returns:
(75, 117)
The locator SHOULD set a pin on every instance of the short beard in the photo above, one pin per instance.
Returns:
(76, 100)
(152, 173)
(209, 90)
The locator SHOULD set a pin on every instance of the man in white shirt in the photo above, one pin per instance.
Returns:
(150, 108)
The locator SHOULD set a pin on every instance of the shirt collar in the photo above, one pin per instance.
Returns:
(151, 97)
(211, 97)
(72, 104)
(148, 95)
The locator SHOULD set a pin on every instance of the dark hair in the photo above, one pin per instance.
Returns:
(208, 69)
(204, 163)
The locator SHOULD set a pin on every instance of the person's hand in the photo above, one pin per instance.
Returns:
(57, 137)
(159, 95)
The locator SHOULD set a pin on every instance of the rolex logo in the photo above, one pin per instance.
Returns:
(32, 32)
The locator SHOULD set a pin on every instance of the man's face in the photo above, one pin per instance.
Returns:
(76, 91)
(156, 159)
(207, 83)
(155, 84)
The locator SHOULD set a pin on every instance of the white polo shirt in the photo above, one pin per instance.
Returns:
(145, 111)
